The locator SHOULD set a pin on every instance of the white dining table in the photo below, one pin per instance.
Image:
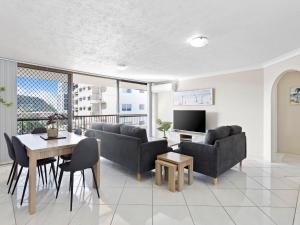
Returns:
(38, 148)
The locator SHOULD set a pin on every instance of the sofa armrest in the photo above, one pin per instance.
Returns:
(149, 152)
(203, 151)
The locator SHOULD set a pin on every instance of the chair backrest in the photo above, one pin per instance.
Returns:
(85, 154)
(39, 130)
(78, 131)
(20, 152)
(10, 147)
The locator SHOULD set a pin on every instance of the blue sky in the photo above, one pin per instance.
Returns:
(34, 84)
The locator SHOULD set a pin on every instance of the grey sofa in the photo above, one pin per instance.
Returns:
(128, 146)
(222, 149)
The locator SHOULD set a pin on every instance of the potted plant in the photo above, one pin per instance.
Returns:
(53, 120)
(163, 126)
(2, 101)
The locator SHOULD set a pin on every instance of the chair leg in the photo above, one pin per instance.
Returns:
(10, 173)
(41, 170)
(57, 167)
(94, 176)
(59, 182)
(83, 178)
(53, 171)
(18, 177)
(12, 179)
(24, 189)
(45, 170)
(72, 183)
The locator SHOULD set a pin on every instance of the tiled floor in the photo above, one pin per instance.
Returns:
(260, 193)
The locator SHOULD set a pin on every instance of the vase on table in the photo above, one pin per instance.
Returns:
(52, 132)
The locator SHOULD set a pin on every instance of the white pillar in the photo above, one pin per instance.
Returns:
(149, 99)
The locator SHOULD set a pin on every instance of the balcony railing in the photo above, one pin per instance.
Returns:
(26, 125)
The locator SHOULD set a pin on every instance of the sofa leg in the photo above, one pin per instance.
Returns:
(241, 164)
(215, 181)
(138, 177)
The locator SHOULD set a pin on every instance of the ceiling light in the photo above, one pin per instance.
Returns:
(198, 41)
(122, 66)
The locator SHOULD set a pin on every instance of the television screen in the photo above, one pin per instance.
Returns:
(189, 120)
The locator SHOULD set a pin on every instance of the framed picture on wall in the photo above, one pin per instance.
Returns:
(295, 95)
(194, 97)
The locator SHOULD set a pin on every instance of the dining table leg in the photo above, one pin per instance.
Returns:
(97, 174)
(32, 184)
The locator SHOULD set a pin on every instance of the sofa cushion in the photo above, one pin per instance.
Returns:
(112, 128)
(218, 133)
(134, 132)
(234, 129)
(97, 126)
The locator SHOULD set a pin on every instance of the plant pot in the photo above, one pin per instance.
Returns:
(52, 132)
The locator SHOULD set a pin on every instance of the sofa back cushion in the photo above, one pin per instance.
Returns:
(218, 133)
(112, 128)
(234, 129)
(134, 132)
(97, 126)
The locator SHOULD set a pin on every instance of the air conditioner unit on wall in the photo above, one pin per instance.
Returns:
(172, 86)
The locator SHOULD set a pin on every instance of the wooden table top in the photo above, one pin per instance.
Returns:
(174, 157)
(34, 142)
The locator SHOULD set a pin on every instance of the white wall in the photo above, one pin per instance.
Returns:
(238, 100)
(288, 119)
(8, 116)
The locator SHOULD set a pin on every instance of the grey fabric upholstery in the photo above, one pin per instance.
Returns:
(218, 133)
(112, 128)
(213, 160)
(134, 132)
(234, 129)
(39, 130)
(127, 150)
(78, 131)
(97, 126)
(89, 133)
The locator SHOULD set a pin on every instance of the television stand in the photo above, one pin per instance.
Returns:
(185, 137)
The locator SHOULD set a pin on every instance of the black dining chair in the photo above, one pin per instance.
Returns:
(67, 157)
(85, 156)
(41, 130)
(11, 153)
(23, 160)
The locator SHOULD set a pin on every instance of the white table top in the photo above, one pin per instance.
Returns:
(35, 142)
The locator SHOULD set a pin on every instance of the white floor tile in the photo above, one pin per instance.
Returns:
(203, 215)
(94, 214)
(200, 197)
(133, 215)
(269, 198)
(171, 215)
(248, 216)
(7, 214)
(136, 196)
(276, 183)
(281, 216)
(165, 197)
(232, 198)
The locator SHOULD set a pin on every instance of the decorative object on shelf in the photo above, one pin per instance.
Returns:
(53, 120)
(163, 126)
(295, 96)
(194, 97)
(2, 101)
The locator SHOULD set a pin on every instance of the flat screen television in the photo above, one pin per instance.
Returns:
(189, 120)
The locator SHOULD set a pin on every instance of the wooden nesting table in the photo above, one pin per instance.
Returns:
(173, 162)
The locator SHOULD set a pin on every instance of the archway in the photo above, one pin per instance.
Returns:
(275, 155)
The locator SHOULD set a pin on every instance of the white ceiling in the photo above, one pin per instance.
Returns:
(148, 35)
